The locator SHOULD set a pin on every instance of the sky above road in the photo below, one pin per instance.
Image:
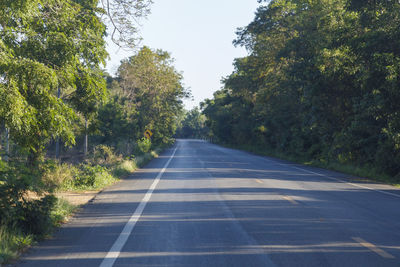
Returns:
(199, 35)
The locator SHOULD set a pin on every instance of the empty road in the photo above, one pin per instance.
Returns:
(200, 204)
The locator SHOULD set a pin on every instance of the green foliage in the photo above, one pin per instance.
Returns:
(15, 182)
(11, 242)
(321, 81)
(51, 54)
(192, 125)
(104, 155)
(146, 95)
(46, 46)
(124, 168)
(62, 210)
(55, 174)
(41, 218)
(144, 145)
(150, 92)
(35, 216)
(92, 177)
(31, 216)
(117, 120)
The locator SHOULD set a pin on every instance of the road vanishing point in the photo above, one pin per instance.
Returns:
(200, 204)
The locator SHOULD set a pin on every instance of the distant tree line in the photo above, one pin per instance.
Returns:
(321, 81)
(192, 124)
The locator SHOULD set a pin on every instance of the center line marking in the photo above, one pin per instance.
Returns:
(373, 248)
(291, 200)
(115, 250)
(259, 181)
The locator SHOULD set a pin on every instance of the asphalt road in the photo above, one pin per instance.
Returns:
(199, 204)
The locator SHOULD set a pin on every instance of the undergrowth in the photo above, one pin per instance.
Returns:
(18, 235)
(29, 211)
(12, 241)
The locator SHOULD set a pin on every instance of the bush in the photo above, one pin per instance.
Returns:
(17, 210)
(92, 177)
(103, 154)
(11, 242)
(14, 185)
(36, 217)
(56, 174)
(143, 145)
(124, 168)
(61, 211)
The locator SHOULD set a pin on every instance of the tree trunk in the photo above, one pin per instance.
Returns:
(34, 157)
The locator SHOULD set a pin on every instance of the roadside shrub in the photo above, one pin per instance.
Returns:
(104, 155)
(124, 147)
(14, 184)
(17, 210)
(92, 177)
(56, 174)
(143, 145)
(36, 216)
(11, 242)
(61, 211)
(124, 168)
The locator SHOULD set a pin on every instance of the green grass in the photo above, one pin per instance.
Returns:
(124, 168)
(94, 176)
(147, 157)
(61, 212)
(12, 242)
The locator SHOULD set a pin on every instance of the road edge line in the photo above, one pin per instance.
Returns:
(344, 181)
(115, 250)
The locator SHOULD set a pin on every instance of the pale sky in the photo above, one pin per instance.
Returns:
(199, 35)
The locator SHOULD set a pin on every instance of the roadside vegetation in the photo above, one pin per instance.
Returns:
(192, 124)
(66, 124)
(29, 209)
(320, 84)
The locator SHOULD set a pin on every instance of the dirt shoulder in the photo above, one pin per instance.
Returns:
(77, 199)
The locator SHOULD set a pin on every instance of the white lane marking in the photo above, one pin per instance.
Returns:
(115, 250)
(373, 248)
(291, 200)
(343, 181)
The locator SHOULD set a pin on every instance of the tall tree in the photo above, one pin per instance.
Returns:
(123, 18)
(153, 89)
(47, 45)
(321, 80)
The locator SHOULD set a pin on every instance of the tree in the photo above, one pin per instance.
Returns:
(123, 16)
(320, 81)
(43, 46)
(48, 45)
(150, 92)
(192, 125)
